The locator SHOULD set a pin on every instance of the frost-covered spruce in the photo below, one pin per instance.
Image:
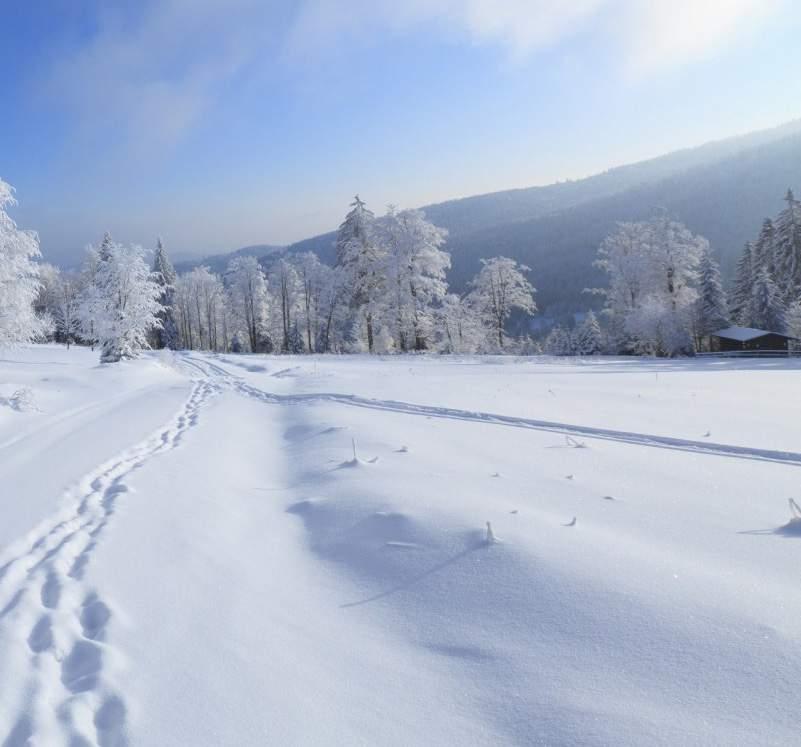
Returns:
(764, 251)
(66, 296)
(360, 259)
(740, 299)
(767, 306)
(559, 342)
(712, 310)
(19, 277)
(122, 306)
(165, 336)
(788, 247)
(588, 337)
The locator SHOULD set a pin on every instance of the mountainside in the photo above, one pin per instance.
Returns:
(722, 190)
(217, 262)
(725, 201)
(470, 214)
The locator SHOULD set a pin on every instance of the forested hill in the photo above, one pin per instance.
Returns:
(725, 201)
(218, 262)
(722, 190)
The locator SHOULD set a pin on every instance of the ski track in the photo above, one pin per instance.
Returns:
(637, 439)
(54, 623)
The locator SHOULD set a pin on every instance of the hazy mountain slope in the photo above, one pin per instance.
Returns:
(483, 211)
(725, 201)
(218, 262)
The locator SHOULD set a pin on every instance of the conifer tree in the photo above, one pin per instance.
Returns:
(740, 300)
(360, 259)
(763, 253)
(711, 308)
(165, 336)
(788, 248)
(767, 307)
(588, 337)
(122, 304)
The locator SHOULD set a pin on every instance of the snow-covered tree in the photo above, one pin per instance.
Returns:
(792, 318)
(122, 306)
(200, 310)
(285, 287)
(66, 307)
(559, 342)
(313, 276)
(740, 297)
(588, 338)
(332, 312)
(104, 250)
(89, 291)
(415, 275)
(653, 274)
(459, 326)
(763, 251)
(711, 309)
(19, 277)
(165, 336)
(767, 306)
(498, 289)
(247, 291)
(788, 248)
(360, 258)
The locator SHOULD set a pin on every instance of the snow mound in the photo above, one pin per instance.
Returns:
(22, 400)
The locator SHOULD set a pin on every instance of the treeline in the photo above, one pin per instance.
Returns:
(386, 293)
(767, 286)
(665, 295)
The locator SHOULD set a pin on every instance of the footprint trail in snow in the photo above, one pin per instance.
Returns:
(57, 659)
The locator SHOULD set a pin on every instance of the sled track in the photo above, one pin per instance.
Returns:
(53, 625)
(567, 429)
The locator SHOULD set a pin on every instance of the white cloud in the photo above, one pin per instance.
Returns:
(646, 34)
(151, 73)
(662, 33)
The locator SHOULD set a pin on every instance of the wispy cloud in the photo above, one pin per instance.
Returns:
(150, 74)
(646, 34)
(666, 33)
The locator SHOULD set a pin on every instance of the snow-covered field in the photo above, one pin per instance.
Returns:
(191, 555)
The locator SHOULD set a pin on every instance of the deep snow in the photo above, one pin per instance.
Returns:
(189, 553)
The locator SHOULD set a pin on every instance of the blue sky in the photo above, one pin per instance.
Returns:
(221, 123)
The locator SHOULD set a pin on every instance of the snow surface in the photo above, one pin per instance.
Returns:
(190, 553)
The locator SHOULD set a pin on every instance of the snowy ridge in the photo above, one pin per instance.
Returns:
(53, 626)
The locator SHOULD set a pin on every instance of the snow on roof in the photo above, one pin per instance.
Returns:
(741, 334)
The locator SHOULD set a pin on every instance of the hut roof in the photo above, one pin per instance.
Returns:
(743, 334)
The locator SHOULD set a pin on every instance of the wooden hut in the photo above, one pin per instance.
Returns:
(749, 340)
